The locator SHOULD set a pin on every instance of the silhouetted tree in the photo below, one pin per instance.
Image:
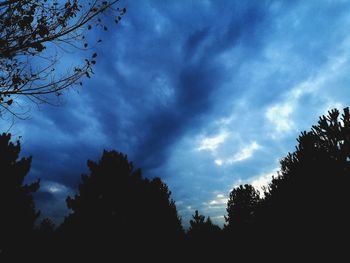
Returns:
(117, 210)
(18, 212)
(197, 222)
(204, 238)
(240, 227)
(241, 206)
(199, 227)
(307, 205)
(202, 230)
(32, 35)
(43, 246)
(45, 229)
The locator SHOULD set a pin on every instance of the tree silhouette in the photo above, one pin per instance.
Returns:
(197, 222)
(203, 238)
(18, 212)
(307, 204)
(240, 227)
(46, 227)
(44, 241)
(201, 229)
(32, 35)
(117, 211)
(241, 206)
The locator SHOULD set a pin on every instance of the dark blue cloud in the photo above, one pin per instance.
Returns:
(186, 59)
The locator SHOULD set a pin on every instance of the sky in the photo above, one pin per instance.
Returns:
(207, 95)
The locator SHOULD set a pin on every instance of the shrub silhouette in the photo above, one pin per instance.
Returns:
(116, 210)
(18, 212)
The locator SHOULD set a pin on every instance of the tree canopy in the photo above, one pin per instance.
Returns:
(308, 201)
(241, 206)
(115, 205)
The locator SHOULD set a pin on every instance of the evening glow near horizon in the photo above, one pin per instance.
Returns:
(205, 94)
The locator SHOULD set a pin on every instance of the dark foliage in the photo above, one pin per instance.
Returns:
(18, 212)
(202, 231)
(307, 204)
(241, 207)
(203, 237)
(118, 211)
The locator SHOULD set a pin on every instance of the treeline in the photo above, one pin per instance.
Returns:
(119, 215)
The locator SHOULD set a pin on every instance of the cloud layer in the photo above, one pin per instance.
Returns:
(205, 94)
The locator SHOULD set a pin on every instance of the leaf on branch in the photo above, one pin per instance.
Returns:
(38, 46)
(43, 30)
(26, 22)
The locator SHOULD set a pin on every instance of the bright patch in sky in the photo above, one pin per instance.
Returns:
(54, 188)
(246, 153)
(243, 154)
(212, 143)
(279, 116)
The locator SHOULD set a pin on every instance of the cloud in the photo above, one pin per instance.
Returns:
(54, 188)
(242, 155)
(280, 116)
(245, 153)
(259, 181)
(262, 180)
(219, 201)
(50, 200)
(211, 143)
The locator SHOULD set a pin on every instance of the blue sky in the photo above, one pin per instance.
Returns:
(205, 94)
